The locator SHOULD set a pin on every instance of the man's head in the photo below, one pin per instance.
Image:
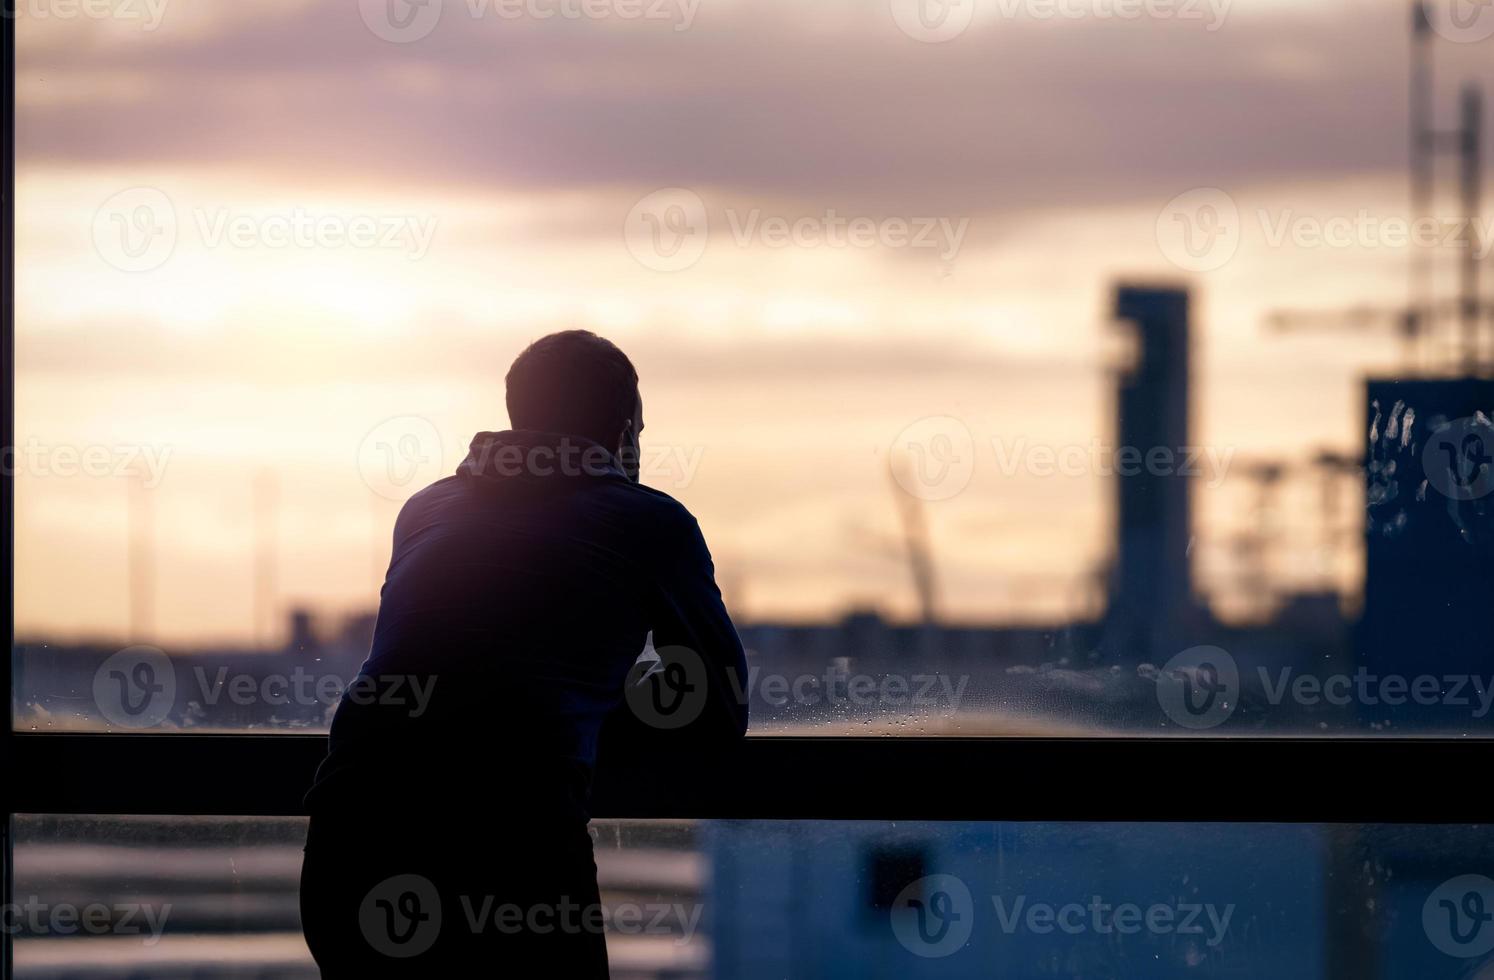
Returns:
(576, 383)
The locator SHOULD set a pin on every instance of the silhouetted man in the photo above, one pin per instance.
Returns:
(448, 835)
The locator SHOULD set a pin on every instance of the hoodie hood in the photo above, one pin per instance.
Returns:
(529, 457)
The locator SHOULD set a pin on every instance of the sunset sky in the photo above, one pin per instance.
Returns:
(347, 229)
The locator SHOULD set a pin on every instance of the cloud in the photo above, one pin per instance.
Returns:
(247, 352)
(754, 99)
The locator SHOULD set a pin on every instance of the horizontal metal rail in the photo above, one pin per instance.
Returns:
(1092, 779)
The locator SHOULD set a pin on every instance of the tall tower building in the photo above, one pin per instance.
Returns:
(1151, 587)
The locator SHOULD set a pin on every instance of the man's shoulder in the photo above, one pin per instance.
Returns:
(443, 492)
(661, 507)
(654, 512)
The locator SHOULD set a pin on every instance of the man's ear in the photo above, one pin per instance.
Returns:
(628, 452)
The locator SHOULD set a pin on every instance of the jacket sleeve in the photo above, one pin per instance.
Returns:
(693, 629)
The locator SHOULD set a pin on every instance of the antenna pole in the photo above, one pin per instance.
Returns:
(1469, 307)
(142, 573)
(1419, 313)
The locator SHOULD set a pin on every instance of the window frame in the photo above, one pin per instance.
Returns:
(1391, 779)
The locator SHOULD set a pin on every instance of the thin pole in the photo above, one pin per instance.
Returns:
(1419, 307)
(1469, 306)
(142, 559)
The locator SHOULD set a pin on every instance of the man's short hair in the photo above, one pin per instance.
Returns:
(574, 383)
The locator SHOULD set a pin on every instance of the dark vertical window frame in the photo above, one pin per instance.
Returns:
(7, 438)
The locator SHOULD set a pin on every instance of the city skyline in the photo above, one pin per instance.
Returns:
(780, 375)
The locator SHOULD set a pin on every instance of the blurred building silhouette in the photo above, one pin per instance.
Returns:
(1429, 541)
(1152, 602)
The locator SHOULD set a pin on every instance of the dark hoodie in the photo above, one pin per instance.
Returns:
(519, 595)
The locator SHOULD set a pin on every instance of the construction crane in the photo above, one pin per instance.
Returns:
(1413, 327)
(1420, 321)
(1404, 321)
(1253, 546)
(918, 552)
(1331, 468)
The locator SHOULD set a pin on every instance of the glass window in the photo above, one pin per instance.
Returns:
(1033, 368)
(751, 900)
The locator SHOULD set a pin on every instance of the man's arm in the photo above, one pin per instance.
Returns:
(696, 641)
